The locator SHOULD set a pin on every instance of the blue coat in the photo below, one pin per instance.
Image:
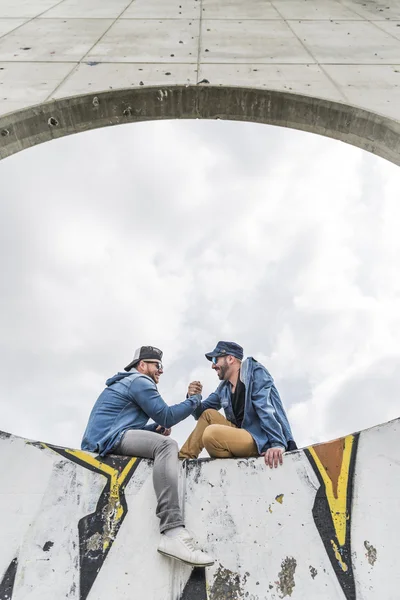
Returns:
(264, 416)
(128, 402)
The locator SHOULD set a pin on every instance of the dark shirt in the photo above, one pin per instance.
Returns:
(237, 399)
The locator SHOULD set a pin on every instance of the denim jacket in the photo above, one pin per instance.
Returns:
(264, 416)
(128, 402)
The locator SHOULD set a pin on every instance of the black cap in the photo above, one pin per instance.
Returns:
(225, 348)
(145, 353)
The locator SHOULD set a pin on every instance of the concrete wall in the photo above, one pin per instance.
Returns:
(325, 525)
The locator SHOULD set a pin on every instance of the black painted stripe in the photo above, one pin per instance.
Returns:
(195, 589)
(7, 583)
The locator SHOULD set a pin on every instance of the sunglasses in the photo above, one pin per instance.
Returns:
(214, 359)
(157, 363)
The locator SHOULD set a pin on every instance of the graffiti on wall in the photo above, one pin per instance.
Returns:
(196, 586)
(333, 464)
(98, 530)
(7, 583)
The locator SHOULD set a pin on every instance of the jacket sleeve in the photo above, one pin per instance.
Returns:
(144, 393)
(213, 401)
(261, 399)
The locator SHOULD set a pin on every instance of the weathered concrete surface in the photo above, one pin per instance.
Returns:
(361, 128)
(330, 67)
(325, 525)
(339, 50)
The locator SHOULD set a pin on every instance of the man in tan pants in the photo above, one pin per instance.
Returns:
(255, 421)
(220, 437)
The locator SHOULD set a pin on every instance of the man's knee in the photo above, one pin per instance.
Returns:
(209, 414)
(168, 445)
(210, 437)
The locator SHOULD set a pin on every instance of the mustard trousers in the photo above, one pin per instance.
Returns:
(220, 437)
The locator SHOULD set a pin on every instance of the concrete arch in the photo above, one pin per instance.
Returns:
(374, 133)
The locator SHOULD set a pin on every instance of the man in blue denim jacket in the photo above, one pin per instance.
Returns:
(255, 421)
(118, 425)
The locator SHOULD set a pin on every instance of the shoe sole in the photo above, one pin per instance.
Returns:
(209, 564)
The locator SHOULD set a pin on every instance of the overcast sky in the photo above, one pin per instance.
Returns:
(180, 233)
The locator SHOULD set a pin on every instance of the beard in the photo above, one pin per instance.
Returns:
(152, 376)
(222, 371)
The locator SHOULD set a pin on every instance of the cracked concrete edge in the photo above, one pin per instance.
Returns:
(41, 123)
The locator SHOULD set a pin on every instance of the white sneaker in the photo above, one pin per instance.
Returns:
(181, 547)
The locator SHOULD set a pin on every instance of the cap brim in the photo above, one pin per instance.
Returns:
(131, 365)
(211, 355)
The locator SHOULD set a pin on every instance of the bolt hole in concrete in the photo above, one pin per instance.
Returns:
(181, 233)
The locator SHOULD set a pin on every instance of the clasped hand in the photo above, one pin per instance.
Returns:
(195, 387)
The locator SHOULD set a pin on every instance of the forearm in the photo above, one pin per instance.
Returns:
(150, 401)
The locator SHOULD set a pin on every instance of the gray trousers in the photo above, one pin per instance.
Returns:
(164, 451)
